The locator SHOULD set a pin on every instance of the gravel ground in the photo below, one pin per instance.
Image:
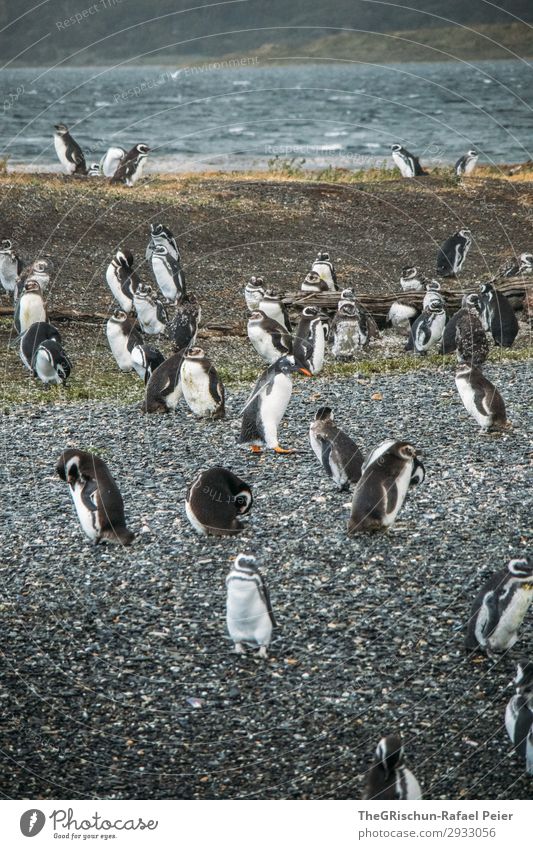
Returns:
(118, 679)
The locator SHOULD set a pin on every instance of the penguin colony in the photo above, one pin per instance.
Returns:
(217, 499)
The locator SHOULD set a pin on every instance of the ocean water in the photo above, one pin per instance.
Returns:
(215, 116)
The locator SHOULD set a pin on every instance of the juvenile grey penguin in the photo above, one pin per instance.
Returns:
(498, 316)
(266, 406)
(254, 291)
(519, 715)
(452, 253)
(215, 502)
(164, 237)
(163, 390)
(272, 305)
(122, 334)
(10, 266)
(464, 333)
(325, 269)
(202, 388)
(30, 307)
(381, 490)
(38, 332)
(309, 342)
(348, 331)
(168, 274)
(388, 778)
(338, 455)
(68, 151)
(122, 279)
(151, 313)
(145, 359)
(51, 364)
(96, 496)
(407, 163)
(111, 160)
(269, 338)
(481, 398)
(500, 607)
(131, 167)
(313, 282)
(465, 164)
(249, 614)
(183, 326)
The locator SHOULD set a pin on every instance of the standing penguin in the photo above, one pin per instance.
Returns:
(427, 330)
(465, 164)
(339, 456)
(464, 333)
(51, 364)
(269, 338)
(163, 390)
(254, 291)
(500, 607)
(163, 237)
(201, 386)
(10, 266)
(411, 280)
(38, 270)
(519, 715)
(68, 151)
(145, 360)
(381, 490)
(498, 316)
(452, 253)
(323, 266)
(183, 326)
(111, 160)
(122, 279)
(273, 306)
(314, 283)
(408, 163)
(168, 274)
(388, 778)
(122, 334)
(266, 406)
(249, 614)
(131, 167)
(38, 332)
(29, 307)
(309, 343)
(418, 473)
(481, 398)
(151, 313)
(347, 332)
(215, 502)
(96, 496)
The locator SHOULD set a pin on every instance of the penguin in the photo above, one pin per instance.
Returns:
(309, 342)
(254, 291)
(131, 167)
(266, 407)
(323, 266)
(249, 615)
(273, 306)
(388, 778)
(38, 270)
(269, 338)
(407, 163)
(498, 316)
(402, 312)
(470, 338)
(519, 714)
(433, 295)
(339, 456)
(168, 274)
(201, 386)
(427, 330)
(418, 473)
(183, 326)
(465, 164)
(122, 335)
(94, 170)
(514, 267)
(35, 335)
(368, 323)
(68, 151)
(145, 360)
(151, 313)
(481, 398)
(314, 283)
(122, 279)
(215, 502)
(452, 253)
(51, 364)
(30, 306)
(10, 266)
(163, 390)
(96, 497)
(163, 237)
(411, 280)
(381, 490)
(500, 608)
(111, 160)
(348, 332)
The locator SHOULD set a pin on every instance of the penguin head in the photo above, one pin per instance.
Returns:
(524, 677)
(160, 229)
(324, 414)
(245, 563)
(348, 294)
(67, 466)
(435, 305)
(142, 149)
(521, 567)
(40, 266)
(119, 316)
(473, 153)
(322, 256)
(487, 289)
(6, 246)
(32, 285)
(313, 277)
(310, 312)
(465, 234)
(409, 272)
(463, 370)
(256, 282)
(396, 148)
(389, 753)
(61, 129)
(256, 315)
(286, 365)
(244, 500)
(124, 258)
(471, 301)
(405, 451)
(433, 286)
(526, 262)
(195, 354)
(348, 308)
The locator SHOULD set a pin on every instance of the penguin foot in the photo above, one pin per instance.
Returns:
(263, 652)
(256, 449)
(279, 450)
(239, 648)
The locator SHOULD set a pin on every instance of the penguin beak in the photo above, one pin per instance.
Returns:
(305, 371)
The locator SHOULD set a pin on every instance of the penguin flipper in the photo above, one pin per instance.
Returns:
(265, 596)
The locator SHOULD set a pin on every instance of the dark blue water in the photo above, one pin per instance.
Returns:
(230, 118)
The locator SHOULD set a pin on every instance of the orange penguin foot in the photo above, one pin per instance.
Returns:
(279, 450)
(256, 449)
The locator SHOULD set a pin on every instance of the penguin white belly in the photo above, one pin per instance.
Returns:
(467, 397)
(8, 273)
(403, 166)
(61, 150)
(147, 315)
(470, 165)
(137, 174)
(407, 787)
(505, 634)
(511, 714)
(252, 300)
(172, 399)
(400, 314)
(164, 279)
(481, 620)
(273, 311)
(263, 344)
(247, 616)
(346, 340)
(411, 285)
(31, 310)
(111, 160)
(195, 388)
(319, 349)
(88, 518)
(193, 520)
(119, 348)
(45, 368)
(529, 753)
(272, 407)
(324, 272)
(402, 485)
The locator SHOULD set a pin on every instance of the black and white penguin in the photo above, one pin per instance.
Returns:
(249, 616)
(418, 473)
(269, 338)
(51, 364)
(407, 163)
(498, 316)
(151, 313)
(347, 332)
(183, 326)
(426, 331)
(412, 280)
(30, 306)
(163, 390)
(266, 407)
(38, 332)
(111, 160)
(122, 334)
(272, 305)
(168, 274)
(215, 502)
(481, 398)
(94, 170)
(402, 312)
(202, 388)
(10, 266)
(309, 341)
(338, 455)
(254, 291)
(500, 608)
(381, 490)
(323, 266)
(519, 715)
(163, 237)
(314, 283)
(131, 167)
(452, 253)
(68, 151)
(514, 267)
(122, 279)
(96, 497)
(369, 327)
(145, 360)
(465, 164)
(388, 779)
(39, 270)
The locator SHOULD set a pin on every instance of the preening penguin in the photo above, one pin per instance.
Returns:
(145, 360)
(323, 266)
(38, 332)
(269, 338)
(498, 316)
(338, 455)
(254, 291)
(96, 496)
(168, 274)
(111, 160)
(500, 607)
(68, 151)
(215, 502)
(388, 778)
(249, 614)
(183, 326)
(465, 164)
(122, 334)
(10, 266)
(314, 283)
(161, 236)
(201, 386)
(122, 279)
(150, 311)
(452, 253)
(131, 167)
(266, 406)
(408, 163)
(309, 342)
(519, 715)
(51, 364)
(30, 306)
(163, 390)
(481, 398)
